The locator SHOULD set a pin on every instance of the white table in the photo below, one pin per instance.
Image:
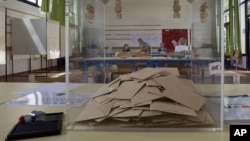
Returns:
(9, 116)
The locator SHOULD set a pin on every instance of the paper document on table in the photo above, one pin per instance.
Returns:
(56, 87)
(51, 99)
(237, 107)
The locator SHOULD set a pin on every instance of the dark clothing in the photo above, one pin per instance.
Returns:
(126, 50)
(144, 46)
(162, 49)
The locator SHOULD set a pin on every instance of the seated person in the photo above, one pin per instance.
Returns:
(181, 47)
(143, 45)
(126, 48)
(125, 52)
(162, 49)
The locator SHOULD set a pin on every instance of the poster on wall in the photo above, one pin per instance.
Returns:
(171, 37)
(151, 38)
(90, 13)
(2, 36)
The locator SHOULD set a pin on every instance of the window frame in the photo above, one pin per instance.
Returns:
(226, 21)
(36, 4)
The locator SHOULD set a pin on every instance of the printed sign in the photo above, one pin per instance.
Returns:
(214, 68)
(239, 132)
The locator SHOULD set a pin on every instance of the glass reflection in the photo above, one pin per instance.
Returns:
(50, 99)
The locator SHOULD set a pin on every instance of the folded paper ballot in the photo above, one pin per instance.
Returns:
(150, 97)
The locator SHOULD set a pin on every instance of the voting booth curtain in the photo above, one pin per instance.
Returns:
(57, 10)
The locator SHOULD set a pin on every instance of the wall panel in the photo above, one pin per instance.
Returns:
(2, 36)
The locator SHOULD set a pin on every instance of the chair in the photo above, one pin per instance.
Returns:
(124, 54)
(141, 54)
(185, 71)
(123, 68)
(32, 77)
(235, 59)
(227, 61)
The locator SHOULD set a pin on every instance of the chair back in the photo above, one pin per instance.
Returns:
(124, 67)
(124, 54)
(141, 54)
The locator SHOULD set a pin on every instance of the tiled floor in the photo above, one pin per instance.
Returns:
(37, 76)
(77, 76)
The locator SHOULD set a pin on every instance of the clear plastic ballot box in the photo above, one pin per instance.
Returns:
(170, 78)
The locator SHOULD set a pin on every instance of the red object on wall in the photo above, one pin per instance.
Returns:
(168, 35)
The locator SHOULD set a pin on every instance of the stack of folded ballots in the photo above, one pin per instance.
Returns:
(151, 97)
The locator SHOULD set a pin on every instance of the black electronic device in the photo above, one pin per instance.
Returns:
(51, 125)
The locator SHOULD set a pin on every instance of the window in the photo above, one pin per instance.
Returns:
(36, 3)
(242, 22)
(226, 5)
(226, 16)
(248, 8)
(242, 27)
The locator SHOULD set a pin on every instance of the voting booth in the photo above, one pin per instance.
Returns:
(179, 89)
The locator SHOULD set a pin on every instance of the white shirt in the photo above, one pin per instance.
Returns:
(180, 48)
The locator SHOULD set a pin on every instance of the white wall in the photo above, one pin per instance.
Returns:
(150, 17)
(144, 17)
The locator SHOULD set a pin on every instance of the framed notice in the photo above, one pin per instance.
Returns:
(89, 13)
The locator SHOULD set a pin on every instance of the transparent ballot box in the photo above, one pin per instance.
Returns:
(155, 66)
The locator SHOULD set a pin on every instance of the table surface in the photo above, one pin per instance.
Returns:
(9, 116)
(148, 61)
(144, 58)
(81, 59)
